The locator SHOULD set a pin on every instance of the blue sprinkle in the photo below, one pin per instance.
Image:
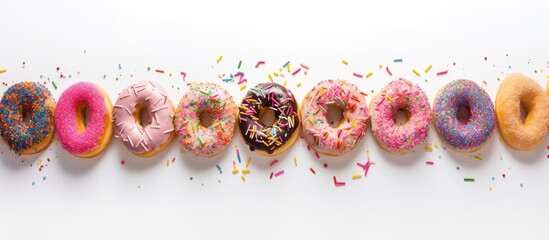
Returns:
(398, 60)
(286, 64)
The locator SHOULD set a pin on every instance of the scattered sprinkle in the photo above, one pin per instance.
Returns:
(428, 68)
(357, 75)
(122, 162)
(345, 62)
(312, 170)
(416, 72)
(357, 176)
(235, 171)
(242, 87)
(248, 162)
(429, 163)
(369, 74)
(304, 66)
(246, 171)
(442, 73)
(338, 183)
(273, 163)
(271, 78)
(296, 71)
(219, 59)
(259, 63)
(279, 173)
(159, 71)
(239, 64)
(271, 176)
(219, 168)
(3, 70)
(54, 85)
(243, 177)
(469, 179)
(397, 60)
(295, 161)
(238, 155)
(286, 64)
(389, 71)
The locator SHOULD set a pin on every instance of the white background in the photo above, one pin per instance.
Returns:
(401, 198)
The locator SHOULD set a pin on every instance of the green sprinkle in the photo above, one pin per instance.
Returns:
(54, 86)
(201, 144)
(205, 93)
(469, 179)
(148, 68)
(239, 64)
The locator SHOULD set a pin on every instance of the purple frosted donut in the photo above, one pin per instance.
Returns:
(464, 94)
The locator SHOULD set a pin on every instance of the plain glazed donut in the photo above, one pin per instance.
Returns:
(514, 90)
(218, 103)
(400, 94)
(325, 139)
(149, 140)
(36, 134)
(275, 139)
(80, 139)
(473, 134)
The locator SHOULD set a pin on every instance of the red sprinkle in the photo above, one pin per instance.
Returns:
(312, 170)
(325, 165)
(57, 68)
(279, 173)
(338, 183)
(503, 175)
(296, 72)
(307, 67)
(122, 162)
(357, 75)
(442, 73)
(159, 71)
(317, 156)
(271, 176)
(429, 163)
(273, 163)
(389, 71)
(259, 63)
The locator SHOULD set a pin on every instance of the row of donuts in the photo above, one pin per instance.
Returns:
(29, 117)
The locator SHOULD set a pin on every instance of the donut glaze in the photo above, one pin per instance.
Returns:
(154, 137)
(514, 90)
(400, 94)
(210, 98)
(269, 139)
(77, 139)
(35, 135)
(316, 129)
(482, 121)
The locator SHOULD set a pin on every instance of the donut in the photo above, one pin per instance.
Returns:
(153, 138)
(76, 137)
(193, 135)
(36, 134)
(275, 139)
(473, 134)
(321, 136)
(517, 89)
(400, 94)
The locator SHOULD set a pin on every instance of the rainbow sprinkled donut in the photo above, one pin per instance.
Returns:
(405, 95)
(348, 134)
(218, 103)
(79, 139)
(275, 139)
(36, 134)
(471, 135)
(153, 138)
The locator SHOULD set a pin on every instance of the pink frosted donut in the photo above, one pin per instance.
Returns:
(405, 95)
(80, 139)
(197, 138)
(316, 129)
(149, 140)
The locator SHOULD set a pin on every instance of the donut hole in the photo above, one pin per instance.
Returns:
(142, 116)
(82, 116)
(402, 116)
(27, 117)
(523, 112)
(334, 115)
(206, 118)
(267, 117)
(463, 114)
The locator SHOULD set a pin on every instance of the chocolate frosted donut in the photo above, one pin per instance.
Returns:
(275, 139)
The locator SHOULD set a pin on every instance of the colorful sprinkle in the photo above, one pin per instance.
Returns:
(369, 74)
(246, 171)
(219, 168)
(345, 62)
(239, 64)
(273, 163)
(357, 176)
(304, 66)
(3, 70)
(242, 87)
(442, 73)
(389, 71)
(279, 173)
(429, 163)
(295, 161)
(338, 183)
(416, 72)
(357, 75)
(259, 63)
(248, 162)
(159, 71)
(397, 60)
(219, 59)
(428, 68)
(312, 170)
(54, 85)
(296, 71)
(469, 179)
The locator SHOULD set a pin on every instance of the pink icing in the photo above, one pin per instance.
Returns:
(403, 94)
(71, 139)
(137, 139)
(316, 129)
(211, 140)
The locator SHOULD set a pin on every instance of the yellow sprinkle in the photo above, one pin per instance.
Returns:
(167, 163)
(345, 62)
(235, 171)
(243, 177)
(271, 78)
(429, 149)
(428, 68)
(288, 67)
(284, 84)
(246, 171)
(416, 72)
(299, 85)
(280, 69)
(436, 146)
(380, 66)
(248, 162)
(170, 74)
(478, 158)
(369, 74)
(242, 87)
(295, 161)
(5, 70)
(312, 121)
(219, 58)
(389, 97)
(276, 74)
(354, 124)
(357, 176)
(220, 76)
